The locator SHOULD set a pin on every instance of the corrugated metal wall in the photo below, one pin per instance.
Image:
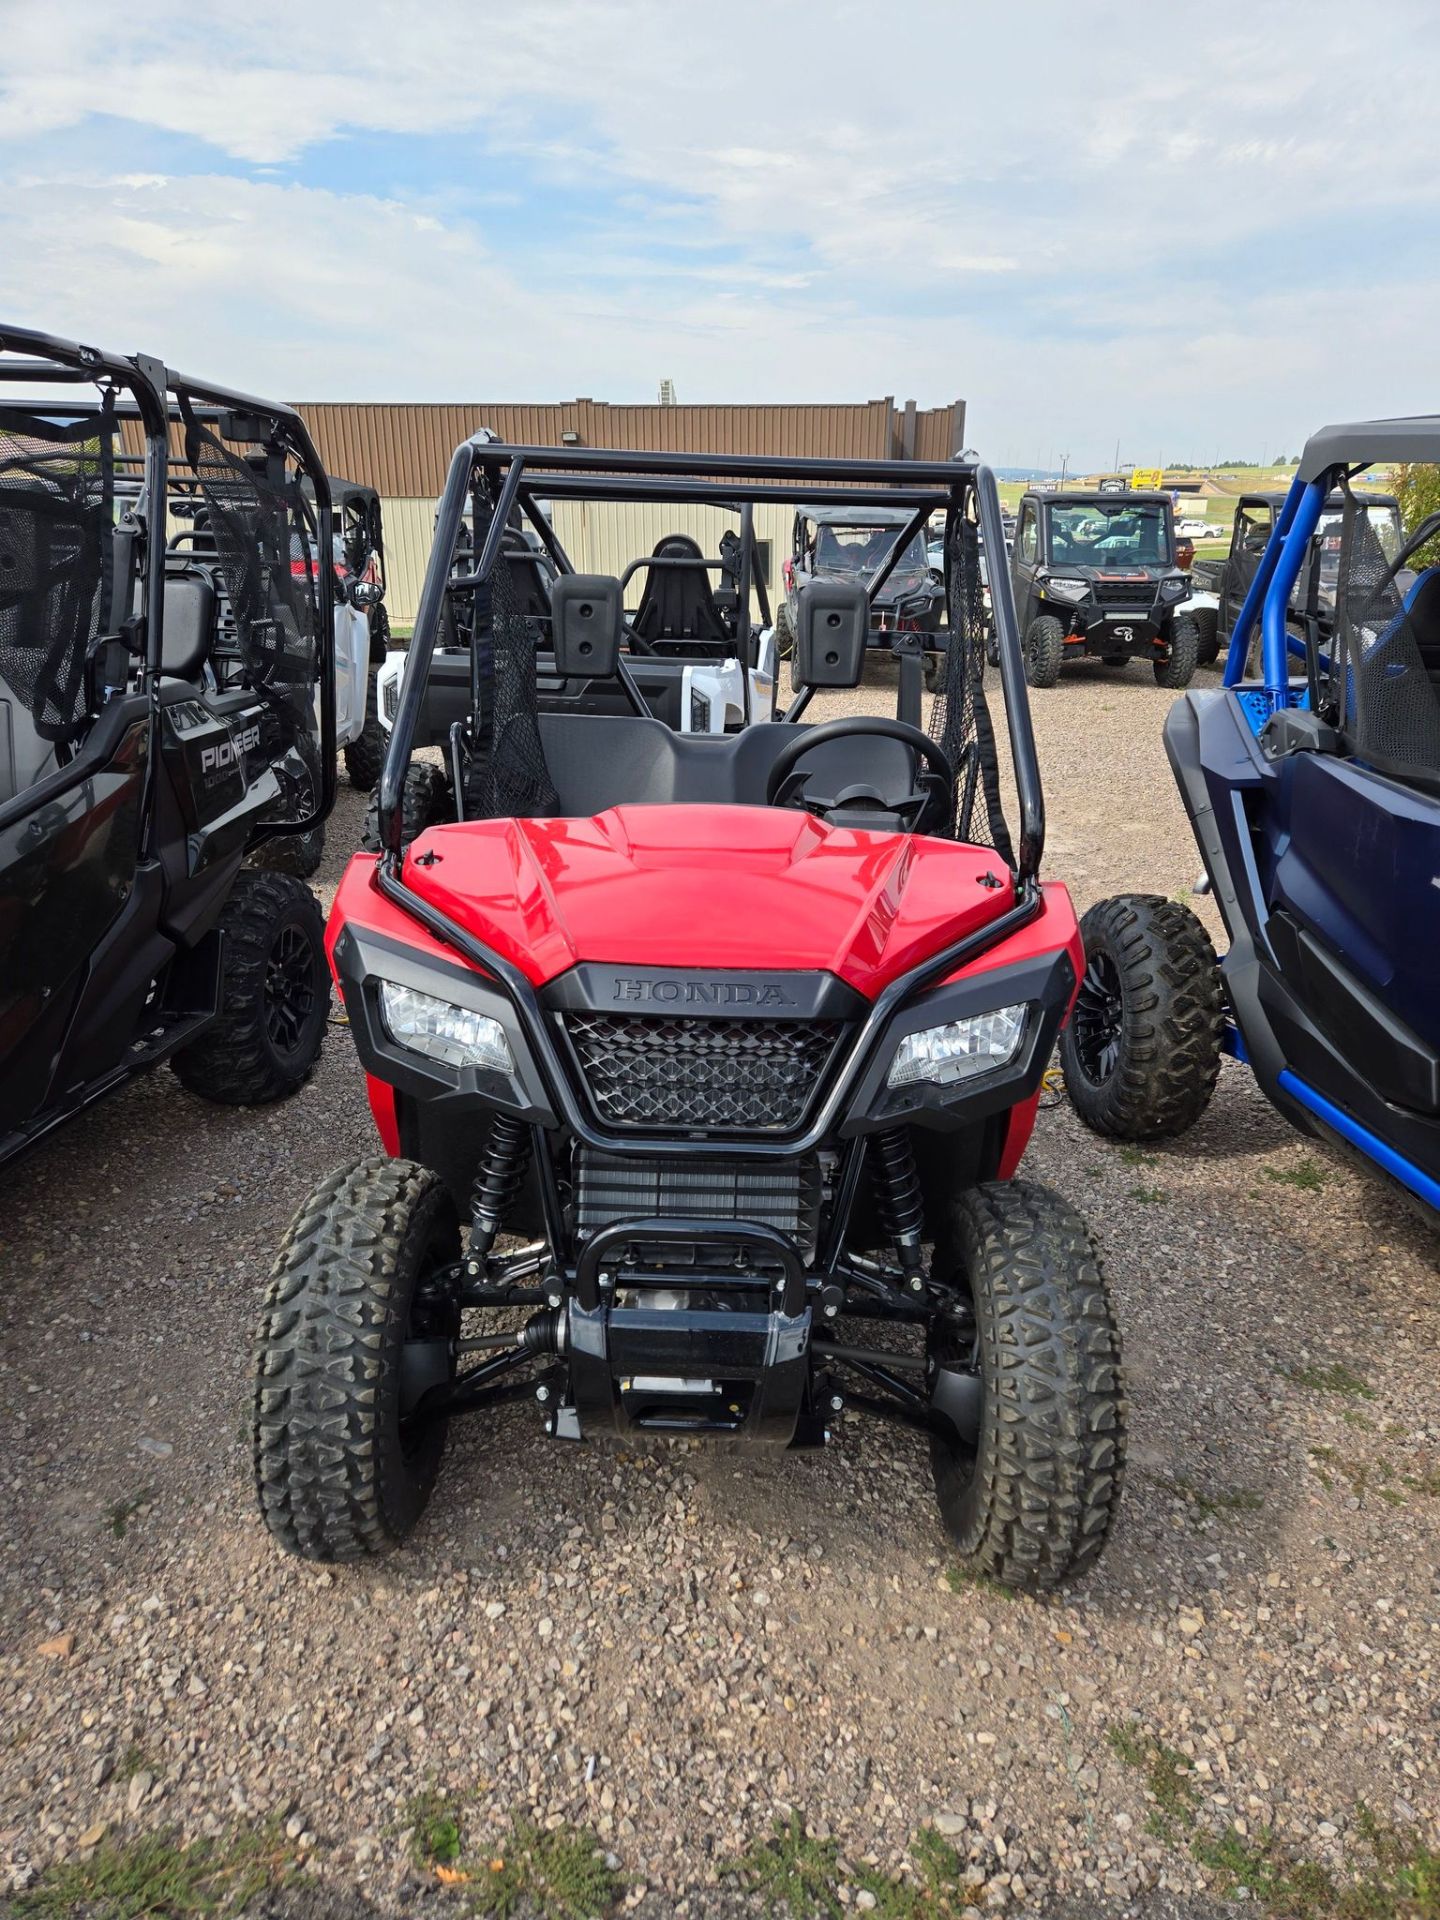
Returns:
(600, 536)
(404, 449)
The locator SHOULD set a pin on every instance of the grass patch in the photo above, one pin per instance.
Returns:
(135, 1760)
(119, 1516)
(560, 1875)
(1334, 1378)
(1427, 1482)
(962, 1579)
(791, 1874)
(1148, 1196)
(156, 1878)
(1309, 1176)
(1137, 1157)
(1221, 1501)
(1167, 1779)
(1127, 1740)
(1360, 1474)
(1403, 1883)
(435, 1829)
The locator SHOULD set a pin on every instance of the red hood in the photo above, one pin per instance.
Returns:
(706, 886)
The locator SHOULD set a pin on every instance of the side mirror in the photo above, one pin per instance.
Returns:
(832, 622)
(587, 618)
(364, 593)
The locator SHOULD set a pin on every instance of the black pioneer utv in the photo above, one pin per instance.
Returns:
(1095, 576)
(165, 707)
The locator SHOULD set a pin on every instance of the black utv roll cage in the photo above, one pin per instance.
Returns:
(500, 481)
(163, 405)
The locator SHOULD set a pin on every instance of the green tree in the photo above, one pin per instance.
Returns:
(1417, 488)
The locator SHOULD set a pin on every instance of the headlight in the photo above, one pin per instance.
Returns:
(1064, 589)
(1172, 588)
(960, 1050)
(453, 1034)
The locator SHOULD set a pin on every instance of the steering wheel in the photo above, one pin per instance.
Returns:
(785, 785)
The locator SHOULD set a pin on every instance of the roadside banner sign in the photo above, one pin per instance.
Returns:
(1147, 479)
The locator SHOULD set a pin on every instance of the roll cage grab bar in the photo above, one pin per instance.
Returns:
(512, 475)
(155, 391)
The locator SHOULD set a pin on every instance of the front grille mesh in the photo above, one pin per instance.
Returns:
(727, 1076)
(1124, 593)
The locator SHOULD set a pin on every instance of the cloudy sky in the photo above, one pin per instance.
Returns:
(1194, 230)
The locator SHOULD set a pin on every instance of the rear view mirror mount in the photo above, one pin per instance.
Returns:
(587, 617)
(832, 622)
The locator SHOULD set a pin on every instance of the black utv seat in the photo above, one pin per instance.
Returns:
(597, 761)
(677, 605)
(1422, 613)
(527, 583)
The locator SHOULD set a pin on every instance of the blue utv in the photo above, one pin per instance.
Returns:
(1312, 782)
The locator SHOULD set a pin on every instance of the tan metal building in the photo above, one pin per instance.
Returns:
(403, 450)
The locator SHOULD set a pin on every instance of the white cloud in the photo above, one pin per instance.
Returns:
(797, 202)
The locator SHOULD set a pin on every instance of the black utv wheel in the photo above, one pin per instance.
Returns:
(1029, 1480)
(784, 633)
(1141, 1051)
(359, 1327)
(297, 853)
(366, 756)
(1207, 626)
(1177, 669)
(1044, 650)
(274, 997)
(427, 802)
(936, 668)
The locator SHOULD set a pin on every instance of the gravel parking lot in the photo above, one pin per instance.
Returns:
(671, 1649)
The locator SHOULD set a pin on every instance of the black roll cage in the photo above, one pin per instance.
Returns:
(509, 474)
(510, 477)
(56, 361)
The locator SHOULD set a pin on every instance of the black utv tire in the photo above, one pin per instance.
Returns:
(992, 645)
(1141, 1050)
(1030, 1503)
(274, 996)
(784, 632)
(1044, 650)
(936, 668)
(1207, 625)
(339, 1475)
(297, 853)
(1177, 669)
(426, 802)
(366, 756)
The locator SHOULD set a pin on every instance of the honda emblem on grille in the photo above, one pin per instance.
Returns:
(703, 993)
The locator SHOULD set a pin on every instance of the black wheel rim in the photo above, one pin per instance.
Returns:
(289, 990)
(1099, 1018)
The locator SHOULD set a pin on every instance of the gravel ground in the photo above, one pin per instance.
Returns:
(675, 1646)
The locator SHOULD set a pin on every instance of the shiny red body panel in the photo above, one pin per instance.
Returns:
(707, 886)
(699, 886)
